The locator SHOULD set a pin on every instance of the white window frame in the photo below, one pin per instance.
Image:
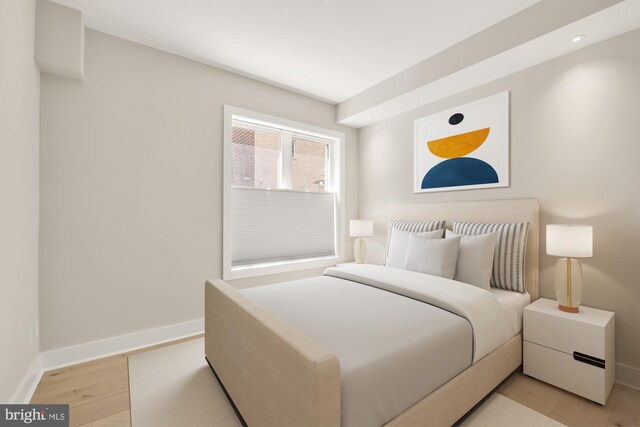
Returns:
(336, 172)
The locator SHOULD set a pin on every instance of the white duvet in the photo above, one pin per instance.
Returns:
(479, 306)
(398, 335)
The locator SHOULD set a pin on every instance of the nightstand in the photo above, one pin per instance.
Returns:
(573, 351)
(342, 264)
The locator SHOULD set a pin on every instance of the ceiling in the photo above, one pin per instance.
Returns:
(593, 21)
(328, 49)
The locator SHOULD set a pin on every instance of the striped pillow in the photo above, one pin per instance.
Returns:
(509, 257)
(412, 227)
(416, 226)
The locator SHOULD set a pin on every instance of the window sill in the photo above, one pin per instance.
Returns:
(254, 270)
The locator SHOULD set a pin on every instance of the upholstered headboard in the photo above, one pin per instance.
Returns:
(488, 211)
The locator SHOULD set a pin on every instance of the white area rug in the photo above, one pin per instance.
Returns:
(500, 411)
(174, 386)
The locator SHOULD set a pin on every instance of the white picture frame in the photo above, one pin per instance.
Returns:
(463, 148)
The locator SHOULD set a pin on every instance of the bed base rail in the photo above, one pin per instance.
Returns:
(447, 404)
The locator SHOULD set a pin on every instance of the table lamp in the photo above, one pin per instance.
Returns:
(360, 229)
(569, 241)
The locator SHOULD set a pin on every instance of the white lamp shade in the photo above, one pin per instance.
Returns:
(573, 241)
(360, 228)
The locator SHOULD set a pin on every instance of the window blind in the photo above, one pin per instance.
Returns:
(274, 225)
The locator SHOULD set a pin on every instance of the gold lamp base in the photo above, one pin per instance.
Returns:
(568, 284)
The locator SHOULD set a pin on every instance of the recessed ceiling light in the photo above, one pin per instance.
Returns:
(369, 118)
(578, 38)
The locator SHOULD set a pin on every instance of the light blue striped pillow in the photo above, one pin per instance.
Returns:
(510, 254)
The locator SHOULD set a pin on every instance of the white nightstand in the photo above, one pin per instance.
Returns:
(342, 264)
(573, 351)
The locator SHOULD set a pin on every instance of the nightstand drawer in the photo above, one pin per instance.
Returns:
(562, 370)
(565, 332)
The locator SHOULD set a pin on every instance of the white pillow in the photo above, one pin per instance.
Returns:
(475, 258)
(433, 256)
(399, 243)
(412, 227)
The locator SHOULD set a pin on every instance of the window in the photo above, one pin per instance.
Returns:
(283, 207)
(309, 164)
(257, 157)
(270, 158)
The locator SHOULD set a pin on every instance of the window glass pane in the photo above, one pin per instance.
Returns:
(309, 161)
(257, 158)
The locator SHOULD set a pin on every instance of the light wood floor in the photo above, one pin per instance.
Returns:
(97, 392)
(98, 396)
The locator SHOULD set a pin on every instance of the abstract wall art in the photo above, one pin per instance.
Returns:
(463, 148)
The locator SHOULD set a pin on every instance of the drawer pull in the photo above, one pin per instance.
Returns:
(585, 358)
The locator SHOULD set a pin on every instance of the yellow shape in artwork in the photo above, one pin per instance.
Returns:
(458, 145)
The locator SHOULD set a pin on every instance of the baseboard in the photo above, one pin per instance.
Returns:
(29, 382)
(61, 357)
(628, 376)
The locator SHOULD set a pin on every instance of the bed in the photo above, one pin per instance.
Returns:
(392, 371)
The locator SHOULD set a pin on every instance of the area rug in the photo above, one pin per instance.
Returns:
(500, 411)
(174, 386)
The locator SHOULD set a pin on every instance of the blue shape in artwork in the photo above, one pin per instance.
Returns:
(459, 171)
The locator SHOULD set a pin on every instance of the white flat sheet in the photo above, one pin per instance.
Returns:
(512, 303)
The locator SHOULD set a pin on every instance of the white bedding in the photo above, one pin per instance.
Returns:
(480, 307)
(398, 334)
(392, 350)
(512, 303)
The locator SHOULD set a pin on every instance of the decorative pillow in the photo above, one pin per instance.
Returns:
(433, 256)
(475, 258)
(413, 227)
(509, 257)
(399, 244)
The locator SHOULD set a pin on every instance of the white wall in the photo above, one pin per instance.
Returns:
(574, 146)
(19, 98)
(131, 196)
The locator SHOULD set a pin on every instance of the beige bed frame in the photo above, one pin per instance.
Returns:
(277, 376)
